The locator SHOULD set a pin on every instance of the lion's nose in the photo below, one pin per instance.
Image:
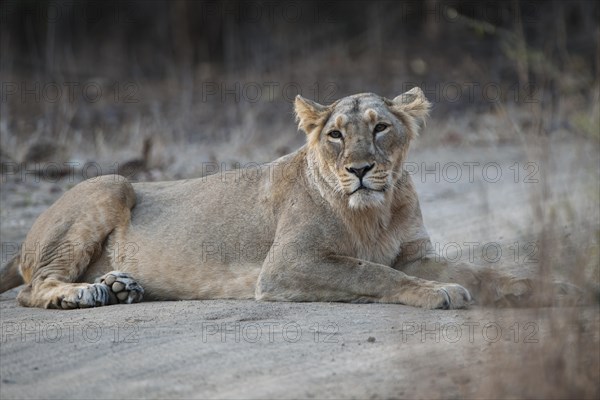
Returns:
(361, 171)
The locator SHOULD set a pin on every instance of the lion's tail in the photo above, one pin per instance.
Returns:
(10, 276)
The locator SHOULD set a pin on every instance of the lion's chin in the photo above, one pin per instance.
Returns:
(366, 199)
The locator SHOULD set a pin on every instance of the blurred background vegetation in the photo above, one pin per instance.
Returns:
(97, 78)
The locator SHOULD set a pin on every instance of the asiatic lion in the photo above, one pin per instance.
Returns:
(336, 220)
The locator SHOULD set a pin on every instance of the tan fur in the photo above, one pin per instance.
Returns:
(304, 230)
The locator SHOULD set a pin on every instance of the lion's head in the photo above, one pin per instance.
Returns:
(360, 142)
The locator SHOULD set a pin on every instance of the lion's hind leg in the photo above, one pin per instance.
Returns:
(70, 235)
(112, 288)
(62, 295)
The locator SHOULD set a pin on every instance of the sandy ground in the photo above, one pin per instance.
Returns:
(246, 349)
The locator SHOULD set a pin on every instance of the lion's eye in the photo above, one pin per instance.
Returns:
(335, 134)
(380, 128)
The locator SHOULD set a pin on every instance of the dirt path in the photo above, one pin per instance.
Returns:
(245, 349)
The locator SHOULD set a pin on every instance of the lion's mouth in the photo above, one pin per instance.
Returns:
(368, 189)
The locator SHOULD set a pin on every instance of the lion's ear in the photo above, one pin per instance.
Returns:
(414, 104)
(309, 114)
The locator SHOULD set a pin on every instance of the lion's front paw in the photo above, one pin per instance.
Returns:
(446, 296)
(513, 291)
(504, 290)
(122, 286)
(510, 291)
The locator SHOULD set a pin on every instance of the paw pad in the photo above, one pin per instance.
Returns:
(123, 287)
